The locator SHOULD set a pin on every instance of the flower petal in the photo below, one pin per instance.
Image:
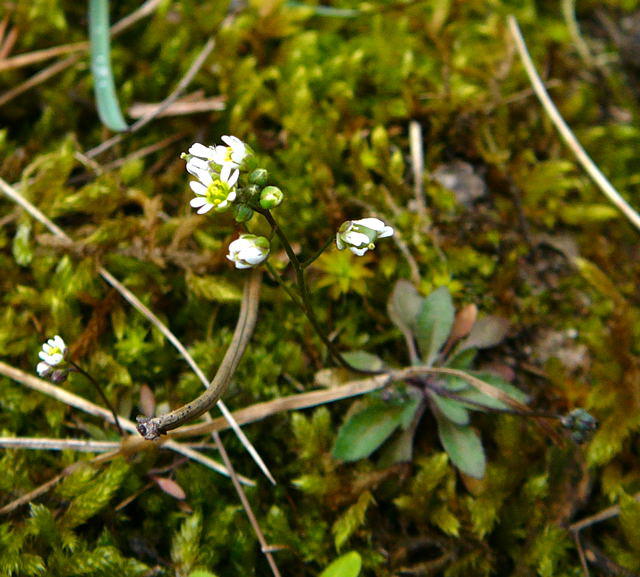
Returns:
(201, 150)
(198, 201)
(43, 369)
(205, 208)
(372, 223)
(198, 187)
(355, 238)
(358, 251)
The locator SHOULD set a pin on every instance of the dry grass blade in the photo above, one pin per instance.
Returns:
(291, 403)
(37, 443)
(247, 507)
(179, 108)
(88, 407)
(7, 41)
(44, 75)
(36, 56)
(14, 195)
(39, 78)
(564, 130)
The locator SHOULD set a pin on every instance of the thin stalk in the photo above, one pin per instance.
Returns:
(98, 388)
(285, 287)
(312, 259)
(305, 303)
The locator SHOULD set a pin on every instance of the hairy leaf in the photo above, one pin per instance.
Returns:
(434, 323)
(464, 447)
(365, 431)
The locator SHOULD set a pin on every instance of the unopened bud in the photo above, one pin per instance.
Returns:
(270, 197)
(259, 176)
(242, 213)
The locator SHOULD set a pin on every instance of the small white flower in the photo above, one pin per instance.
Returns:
(359, 236)
(53, 351)
(53, 365)
(213, 190)
(249, 250)
(232, 154)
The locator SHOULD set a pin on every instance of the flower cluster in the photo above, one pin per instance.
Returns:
(227, 177)
(53, 364)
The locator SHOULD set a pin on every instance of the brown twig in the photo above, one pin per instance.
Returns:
(152, 427)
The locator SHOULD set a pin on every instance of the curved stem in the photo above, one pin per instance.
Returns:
(152, 428)
(305, 303)
(98, 388)
(312, 259)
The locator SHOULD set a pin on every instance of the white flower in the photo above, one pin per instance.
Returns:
(53, 351)
(249, 250)
(53, 364)
(359, 236)
(215, 191)
(233, 154)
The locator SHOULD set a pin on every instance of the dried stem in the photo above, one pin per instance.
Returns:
(88, 407)
(572, 142)
(14, 195)
(152, 428)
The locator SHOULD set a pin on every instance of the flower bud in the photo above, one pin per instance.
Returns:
(259, 176)
(270, 197)
(359, 236)
(249, 250)
(242, 212)
(580, 424)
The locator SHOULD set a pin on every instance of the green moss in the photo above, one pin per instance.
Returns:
(325, 101)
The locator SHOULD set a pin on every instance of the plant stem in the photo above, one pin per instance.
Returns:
(98, 388)
(305, 301)
(311, 259)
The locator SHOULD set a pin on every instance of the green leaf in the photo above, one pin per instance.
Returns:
(434, 323)
(464, 447)
(348, 565)
(487, 332)
(404, 306)
(104, 86)
(365, 431)
(201, 573)
(451, 409)
(363, 360)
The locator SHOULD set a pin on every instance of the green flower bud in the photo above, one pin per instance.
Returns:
(259, 177)
(242, 212)
(581, 425)
(270, 197)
